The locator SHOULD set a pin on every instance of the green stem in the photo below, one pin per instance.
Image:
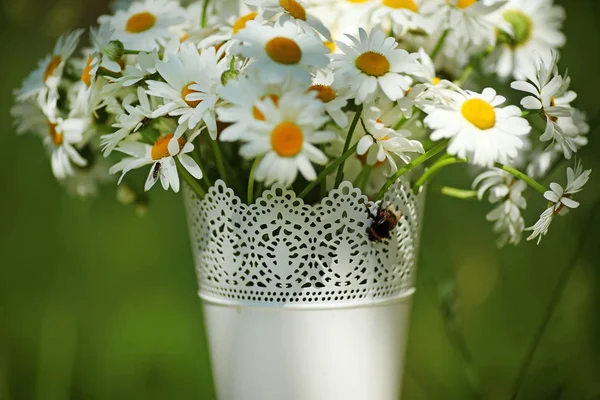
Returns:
(436, 168)
(105, 72)
(218, 159)
(524, 177)
(456, 193)
(204, 17)
(475, 63)
(327, 171)
(555, 297)
(340, 173)
(251, 180)
(440, 44)
(131, 52)
(362, 176)
(190, 180)
(410, 166)
(198, 157)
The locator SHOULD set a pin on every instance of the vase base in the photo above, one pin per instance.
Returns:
(294, 354)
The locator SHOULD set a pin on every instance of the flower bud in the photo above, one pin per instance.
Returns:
(114, 50)
(229, 75)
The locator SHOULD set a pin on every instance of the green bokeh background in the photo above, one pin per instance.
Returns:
(97, 303)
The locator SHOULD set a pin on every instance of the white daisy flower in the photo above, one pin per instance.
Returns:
(130, 121)
(144, 67)
(507, 192)
(29, 119)
(47, 77)
(100, 39)
(381, 142)
(280, 51)
(374, 65)
(536, 29)
(401, 16)
(479, 129)
(289, 10)
(191, 88)
(146, 25)
(287, 138)
(344, 16)
(561, 200)
(470, 22)
(551, 97)
(224, 31)
(163, 162)
(64, 135)
(334, 95)
(241, 98)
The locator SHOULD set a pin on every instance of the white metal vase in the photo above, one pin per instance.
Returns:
(299, 303)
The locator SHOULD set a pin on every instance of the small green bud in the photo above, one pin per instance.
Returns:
(114, 50)
(229, 75)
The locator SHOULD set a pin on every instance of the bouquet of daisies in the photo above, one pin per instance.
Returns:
(265, 92)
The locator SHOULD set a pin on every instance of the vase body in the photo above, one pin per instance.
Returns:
(299, 304)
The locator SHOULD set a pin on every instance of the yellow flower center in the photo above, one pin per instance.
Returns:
(52, 65)
(294, 8)
(184, 93)
(183, 37)
(241, 23)
(407, 4)
(331, 46)
(258, 115)
(436, 81)
(160, 149)
(57, 138)
(324, 93)
(86, 76)
(465, 3)
(480, 113)
(284, 51)
(357, 1)
(140, 22)
(287, 139)
(373, 64)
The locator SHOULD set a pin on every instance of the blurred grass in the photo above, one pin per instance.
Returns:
(96, 303)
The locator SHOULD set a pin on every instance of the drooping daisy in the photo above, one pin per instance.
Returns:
(470, 22)
(479, 129)
(129, 121)
(561, 199)
(146, 25)
(536, 29)
(144, 68)
(63, 137)
(286, 138)
(290, 10)
(97, 59)
(191, 88)
(280, 51)
(48, 75)
(333, 94)
(374, 65)
(507, 192)
(552, 98)
(164, 166)
(382, 142)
